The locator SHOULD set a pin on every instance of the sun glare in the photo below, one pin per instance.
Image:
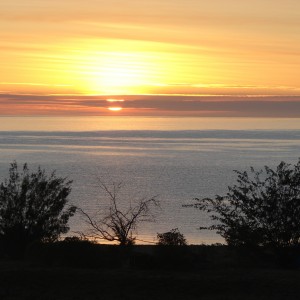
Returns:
(120, 67)
(117, 73)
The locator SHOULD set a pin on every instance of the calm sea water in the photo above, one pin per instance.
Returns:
(173, 159)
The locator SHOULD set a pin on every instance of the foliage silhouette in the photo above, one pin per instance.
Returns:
(261, 209)
(171, 238)
(32, 208)
(118, 224)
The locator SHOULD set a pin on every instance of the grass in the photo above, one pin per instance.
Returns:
(65, 271)
(20, 280)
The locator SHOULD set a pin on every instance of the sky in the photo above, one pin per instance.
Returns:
(218, 58)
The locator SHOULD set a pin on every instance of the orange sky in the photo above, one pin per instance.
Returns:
(162, 57)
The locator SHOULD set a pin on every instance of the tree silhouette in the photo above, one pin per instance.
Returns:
(262, 208)
(118, 224)
(171, 238)
(32, 208)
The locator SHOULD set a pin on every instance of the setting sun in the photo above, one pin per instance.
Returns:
(114, 108)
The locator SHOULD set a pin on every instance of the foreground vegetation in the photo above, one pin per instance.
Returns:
(20, 280)
(261, 209)
(75, 269)
(259, 219)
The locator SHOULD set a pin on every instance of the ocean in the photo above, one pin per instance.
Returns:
(173, 159)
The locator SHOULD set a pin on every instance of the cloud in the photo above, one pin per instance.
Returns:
(155, 105)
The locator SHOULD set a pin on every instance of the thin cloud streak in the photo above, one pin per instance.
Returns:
(231, 106)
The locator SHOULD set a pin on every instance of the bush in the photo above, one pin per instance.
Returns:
(261, 209)
(171, 238)
(32, 208)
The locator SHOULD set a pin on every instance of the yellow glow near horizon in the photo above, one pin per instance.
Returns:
(139, 67)
(129, 67)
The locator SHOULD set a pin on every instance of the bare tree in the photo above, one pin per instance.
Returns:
(118, 224)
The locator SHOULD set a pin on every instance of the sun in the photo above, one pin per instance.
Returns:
(115, 108)
(116, 101)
